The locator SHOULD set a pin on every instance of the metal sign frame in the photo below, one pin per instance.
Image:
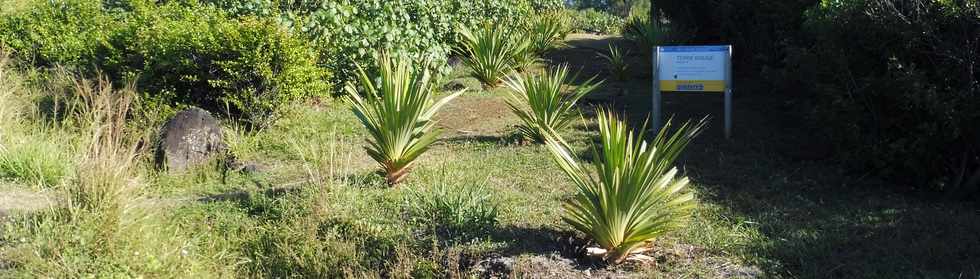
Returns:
(657, 93)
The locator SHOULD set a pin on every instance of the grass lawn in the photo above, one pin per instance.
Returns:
(773, 202)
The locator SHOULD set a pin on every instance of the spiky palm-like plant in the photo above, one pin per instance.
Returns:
(397, 113)
(542, 102)
(524, 55)
(645, 32)
(616, 58)
(489, 52)
(635, 195)
(547, 31)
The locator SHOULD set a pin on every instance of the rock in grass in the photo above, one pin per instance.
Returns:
(190, 138)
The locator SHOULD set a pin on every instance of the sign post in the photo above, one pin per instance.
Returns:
(692, 69)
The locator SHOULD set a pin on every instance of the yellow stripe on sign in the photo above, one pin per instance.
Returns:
(693, 85)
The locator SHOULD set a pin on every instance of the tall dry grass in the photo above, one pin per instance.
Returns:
(105, 173)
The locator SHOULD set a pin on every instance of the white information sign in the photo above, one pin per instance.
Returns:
(692, 69)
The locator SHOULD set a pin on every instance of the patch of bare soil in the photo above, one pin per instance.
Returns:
(543, 266)
(14, 200)
(660, 262)
(473, 116)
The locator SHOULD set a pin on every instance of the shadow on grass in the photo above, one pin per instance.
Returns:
(544, 242)
(815, 218)
(245, 196)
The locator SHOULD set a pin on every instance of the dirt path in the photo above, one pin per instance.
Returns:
(17, 200)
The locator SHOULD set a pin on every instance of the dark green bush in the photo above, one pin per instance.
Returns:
(900, 83)
(237, 57)
(894, 81)
(760, 30)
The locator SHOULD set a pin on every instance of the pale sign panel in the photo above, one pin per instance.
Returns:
(693, 68)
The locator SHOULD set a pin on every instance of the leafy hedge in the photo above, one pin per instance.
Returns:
(59, 33)
(596, 21)
(350, 31)
(243, 58)
(196, 55)
(178, 53)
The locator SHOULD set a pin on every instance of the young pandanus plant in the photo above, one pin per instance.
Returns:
(635, 194)
(545, 102)
(397, 112)
(490, 51)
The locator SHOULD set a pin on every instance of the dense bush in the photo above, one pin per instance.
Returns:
(243, 58)
(595, 21)
(70, 32)
(759, 29)
(900, 81)
(195, 55)
(179, 53)
(622, 8)
(897, 80)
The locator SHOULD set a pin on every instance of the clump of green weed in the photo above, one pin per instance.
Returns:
(454, 212)
(32, 160)
(316, 232)
(27, 154)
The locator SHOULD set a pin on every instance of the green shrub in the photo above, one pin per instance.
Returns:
(249, 68)
(547, 5)
(616, 62)
(548, 31)
(71, 33)
(454, 213)
(179, 53)
(635, 195)
(346, 32)
(595, 21)
(618, 7)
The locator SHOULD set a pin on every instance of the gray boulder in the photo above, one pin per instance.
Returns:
(190, 138)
